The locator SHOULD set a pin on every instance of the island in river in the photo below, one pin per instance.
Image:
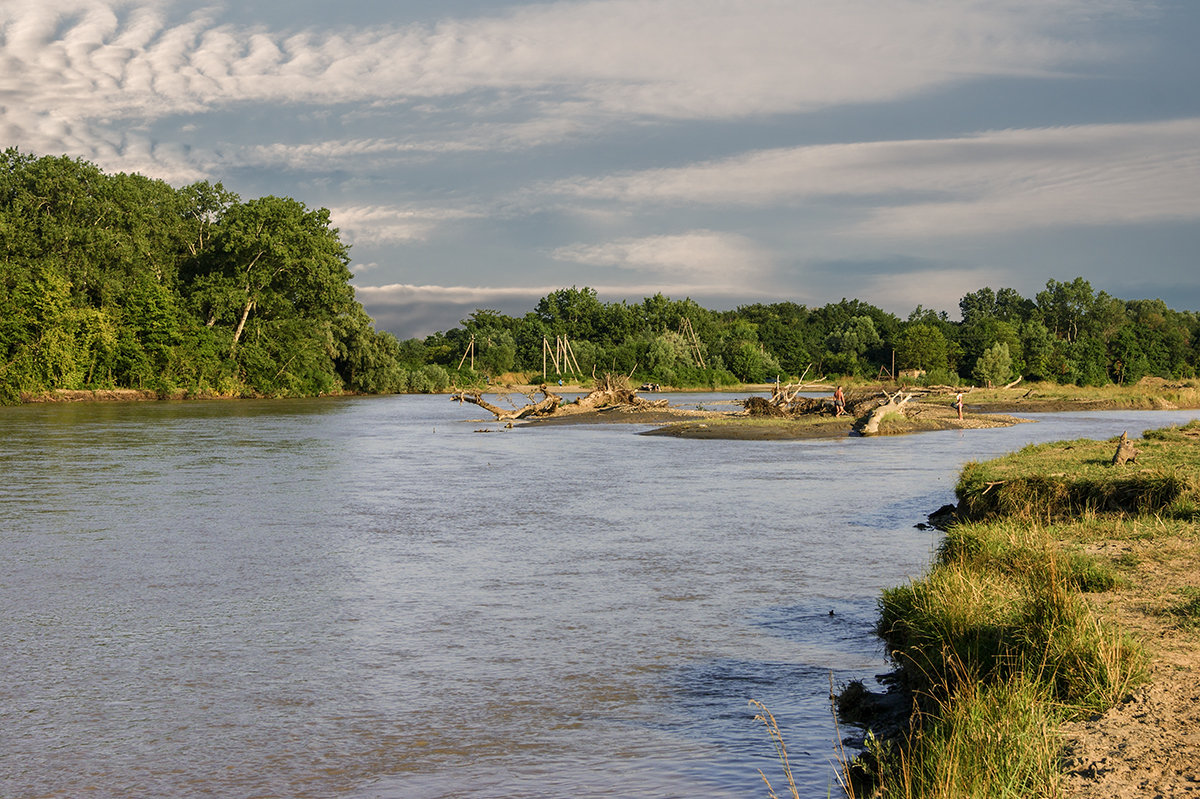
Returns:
(792, 412)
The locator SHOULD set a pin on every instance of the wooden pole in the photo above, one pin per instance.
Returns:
(470, 350)
(571, 352)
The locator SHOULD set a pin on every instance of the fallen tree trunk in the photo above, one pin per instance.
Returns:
(544, 407)
(868, 424)
(786, 402)
(611, 392)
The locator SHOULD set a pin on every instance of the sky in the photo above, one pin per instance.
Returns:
(483, 154)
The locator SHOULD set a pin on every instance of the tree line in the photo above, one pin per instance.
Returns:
(121, 281)
(1067, 333)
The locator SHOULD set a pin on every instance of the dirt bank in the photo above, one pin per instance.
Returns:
(1149, 746)
(921, 417)
(750, 429)
(101, 395)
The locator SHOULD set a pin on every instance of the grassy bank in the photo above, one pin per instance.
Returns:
(1012, 632)
(1149, 394)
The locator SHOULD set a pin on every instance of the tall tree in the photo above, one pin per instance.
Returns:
(276, 259)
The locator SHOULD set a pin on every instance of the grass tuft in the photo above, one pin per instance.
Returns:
(1186, 613)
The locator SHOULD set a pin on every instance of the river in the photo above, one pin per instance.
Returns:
(369, 598)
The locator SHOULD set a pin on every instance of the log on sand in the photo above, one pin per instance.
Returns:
(868, 424)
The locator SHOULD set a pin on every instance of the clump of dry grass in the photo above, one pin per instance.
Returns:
(768, 719)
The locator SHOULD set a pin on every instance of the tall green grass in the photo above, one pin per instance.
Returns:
(1066, 479)
(998, 646)
(960, 623)
(988, 740)
(998, 642)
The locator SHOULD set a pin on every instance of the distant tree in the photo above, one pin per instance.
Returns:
(977, 306)
(1037, 346)
(995, 367)
(856, 337)
(572, 312)
(921, 346)
(1064, 305)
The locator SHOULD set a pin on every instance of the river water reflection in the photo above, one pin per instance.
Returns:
(369, 598)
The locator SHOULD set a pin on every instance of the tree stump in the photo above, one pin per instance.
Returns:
(1125, 452)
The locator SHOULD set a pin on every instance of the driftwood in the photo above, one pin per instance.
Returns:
(544, 407)
(785, 401)
(784, 396)
(612, 391)
(1125, 451)
(868, 424)
(761, 406)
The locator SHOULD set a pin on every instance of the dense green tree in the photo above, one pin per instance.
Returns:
(122, 281)
(978, 305)
(995, 367)
(1063, 306)
(572, 312)
(921, 346)
(1037, 346)
(983, 334)
(274, 258)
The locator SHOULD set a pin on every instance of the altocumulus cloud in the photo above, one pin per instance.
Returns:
(76, 71)
(376, 224)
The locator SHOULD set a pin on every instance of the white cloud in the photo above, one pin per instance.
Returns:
(376, 224)
(407, 293)
(73, 70)
(705, 256)
(483, 296)
(990, 182)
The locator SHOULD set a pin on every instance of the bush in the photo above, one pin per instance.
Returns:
(418, 382)
(439, 378)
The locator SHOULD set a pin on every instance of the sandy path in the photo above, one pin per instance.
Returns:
(1150, 745)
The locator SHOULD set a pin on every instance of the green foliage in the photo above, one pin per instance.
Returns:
(921, 346)
(995, 367)
(986, 740)
(111, 281)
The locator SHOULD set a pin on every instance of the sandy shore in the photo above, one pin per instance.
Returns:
(679, 422)
(1149, 745)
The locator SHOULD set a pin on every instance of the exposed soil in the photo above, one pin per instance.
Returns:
(745, 429)
(920, 417)
(102, 395)
(1149, 746)
(623, 414)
